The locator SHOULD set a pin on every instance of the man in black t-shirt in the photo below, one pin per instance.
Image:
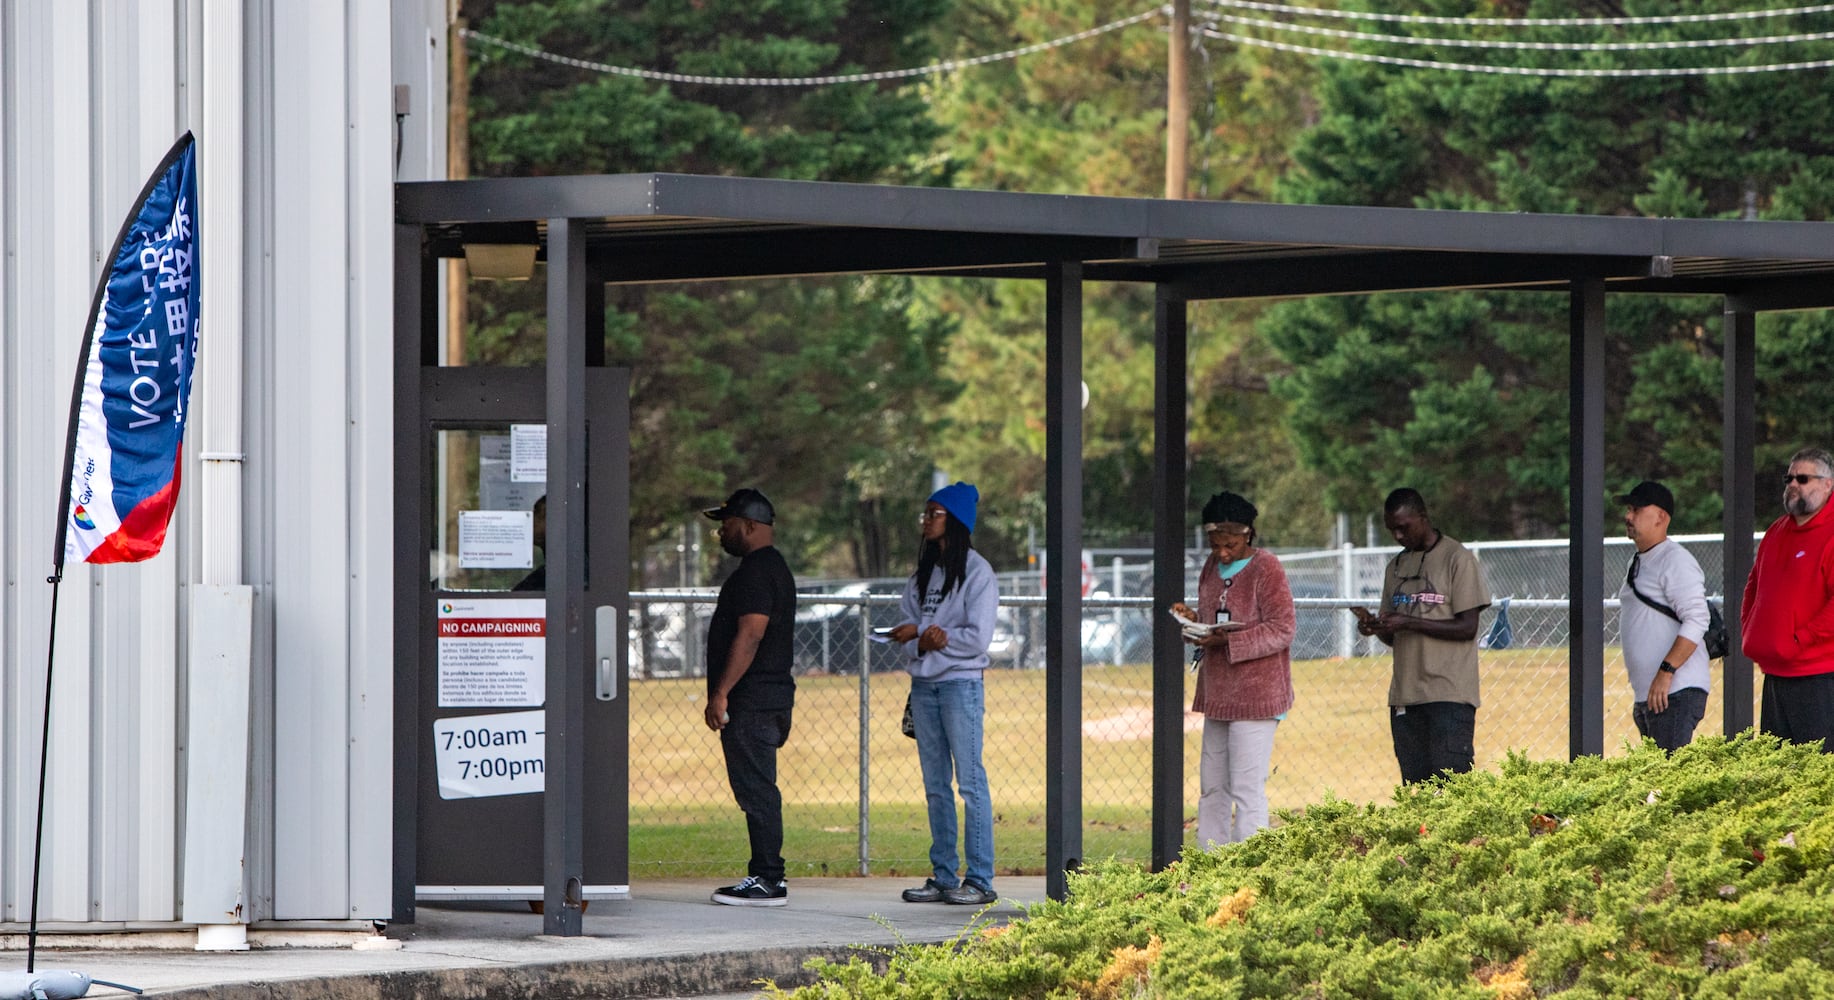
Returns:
(749, 688)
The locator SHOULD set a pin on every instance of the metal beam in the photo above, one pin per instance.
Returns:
(1738, 485)
(563, 803)
(1170, 399)
(1063, 602)
(416, 338)
(1586, 510)
(1341, 272)
(1813, 292)
(1303, 249)
(775, 253)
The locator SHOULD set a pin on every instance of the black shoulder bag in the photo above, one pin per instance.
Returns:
(1715, 641)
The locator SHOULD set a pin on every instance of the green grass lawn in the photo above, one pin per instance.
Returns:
(1335, 741)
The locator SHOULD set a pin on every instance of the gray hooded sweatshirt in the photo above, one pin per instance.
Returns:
(967, 614)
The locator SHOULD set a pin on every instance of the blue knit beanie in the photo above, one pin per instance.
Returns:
(960, 501)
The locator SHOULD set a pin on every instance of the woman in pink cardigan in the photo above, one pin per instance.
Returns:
(1243, 635)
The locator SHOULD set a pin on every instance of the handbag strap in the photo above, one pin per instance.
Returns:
(1665, 609)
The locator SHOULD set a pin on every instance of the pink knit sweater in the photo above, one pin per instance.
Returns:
(1253, 677)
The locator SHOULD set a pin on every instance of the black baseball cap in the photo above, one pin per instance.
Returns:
(1645, 493)
(746, 503)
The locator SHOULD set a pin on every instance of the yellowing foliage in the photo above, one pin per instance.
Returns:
(1127, 973)
(1233, 908)
(1509, 982)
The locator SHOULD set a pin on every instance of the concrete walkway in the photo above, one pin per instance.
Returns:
(668, 940)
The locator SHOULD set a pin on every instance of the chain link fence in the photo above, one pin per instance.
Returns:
(853, 793)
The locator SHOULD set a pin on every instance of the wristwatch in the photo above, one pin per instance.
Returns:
(1666, 667)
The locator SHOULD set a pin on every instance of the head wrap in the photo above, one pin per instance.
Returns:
(1229, 508)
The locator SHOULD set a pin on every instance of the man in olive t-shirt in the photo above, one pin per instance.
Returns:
(1432, 594)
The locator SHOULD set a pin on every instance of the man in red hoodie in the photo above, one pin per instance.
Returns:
(1787, 619)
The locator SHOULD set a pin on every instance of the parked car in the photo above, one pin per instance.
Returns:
(665, 640)
(1104, 640)
(1008, 645)
(828, 635)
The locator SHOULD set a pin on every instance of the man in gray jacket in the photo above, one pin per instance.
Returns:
(1662, 618)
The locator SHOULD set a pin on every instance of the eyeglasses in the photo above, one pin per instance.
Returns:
(930, 515)
(1800, 478)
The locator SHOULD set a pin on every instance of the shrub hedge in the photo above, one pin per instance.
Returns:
(1702, 875)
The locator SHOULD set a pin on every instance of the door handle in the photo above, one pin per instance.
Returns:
(608, 634)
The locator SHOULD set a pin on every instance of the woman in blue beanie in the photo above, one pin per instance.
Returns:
(949, 608)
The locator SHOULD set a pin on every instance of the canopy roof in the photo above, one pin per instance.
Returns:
(671, 227)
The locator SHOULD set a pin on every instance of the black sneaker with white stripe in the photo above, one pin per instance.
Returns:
(753, 891)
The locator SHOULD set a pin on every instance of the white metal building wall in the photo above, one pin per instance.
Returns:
(92, 92)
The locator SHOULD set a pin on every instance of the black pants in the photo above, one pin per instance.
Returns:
(1799, 709)
(1433, 737)
(1674, 727)
(750, 742)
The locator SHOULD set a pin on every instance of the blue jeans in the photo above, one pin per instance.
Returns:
(1674, 728)
(947, 715)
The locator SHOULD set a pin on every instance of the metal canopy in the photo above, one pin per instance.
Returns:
(674, 227)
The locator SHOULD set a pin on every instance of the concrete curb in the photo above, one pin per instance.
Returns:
(617, 979)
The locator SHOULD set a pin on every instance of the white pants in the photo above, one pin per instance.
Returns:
(1233, 778)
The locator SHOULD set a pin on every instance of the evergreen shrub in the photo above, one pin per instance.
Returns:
(1705, 874)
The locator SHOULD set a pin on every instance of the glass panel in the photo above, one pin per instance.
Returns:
(488, 486)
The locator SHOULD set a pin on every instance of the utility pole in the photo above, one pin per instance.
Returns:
(459, 455)
(458, 167)
(1177, 100)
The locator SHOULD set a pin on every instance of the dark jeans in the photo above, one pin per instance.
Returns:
(750, 742)
(1671, 729)
(1433, 737)
(1799, 709)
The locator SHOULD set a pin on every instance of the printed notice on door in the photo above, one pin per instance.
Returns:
(492, 652)
(482, 755)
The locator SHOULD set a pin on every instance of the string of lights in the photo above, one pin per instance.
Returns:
(1479, 43)
(1516, 70)
(1523, 22)
(952, 65)
(813, 81)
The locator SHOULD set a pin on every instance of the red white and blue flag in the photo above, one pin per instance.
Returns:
(127, 417)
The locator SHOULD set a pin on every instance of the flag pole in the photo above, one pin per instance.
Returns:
(179, 150)
(44, 756)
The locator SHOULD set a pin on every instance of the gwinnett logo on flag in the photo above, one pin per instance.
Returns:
(127, 417)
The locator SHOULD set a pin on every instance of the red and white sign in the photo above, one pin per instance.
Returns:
(1088, 574)
(492, 652)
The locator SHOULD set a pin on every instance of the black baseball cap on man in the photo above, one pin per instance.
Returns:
(746, 503)
(1645, 493)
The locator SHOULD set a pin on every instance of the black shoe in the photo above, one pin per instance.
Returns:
(928, 892)
(753, 891)
(969, 894)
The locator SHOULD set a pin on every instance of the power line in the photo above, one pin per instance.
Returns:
(1516, 70)
(1533, 22)
(813, 81)
(1478, 43)
(1147, 15)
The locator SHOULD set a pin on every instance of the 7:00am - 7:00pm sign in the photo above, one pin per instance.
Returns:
(481, 755)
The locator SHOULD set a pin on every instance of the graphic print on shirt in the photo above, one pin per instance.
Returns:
(1415, 592)
(932, 601)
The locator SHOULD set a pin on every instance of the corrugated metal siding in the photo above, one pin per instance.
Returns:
(311, 545)
(90, 95)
